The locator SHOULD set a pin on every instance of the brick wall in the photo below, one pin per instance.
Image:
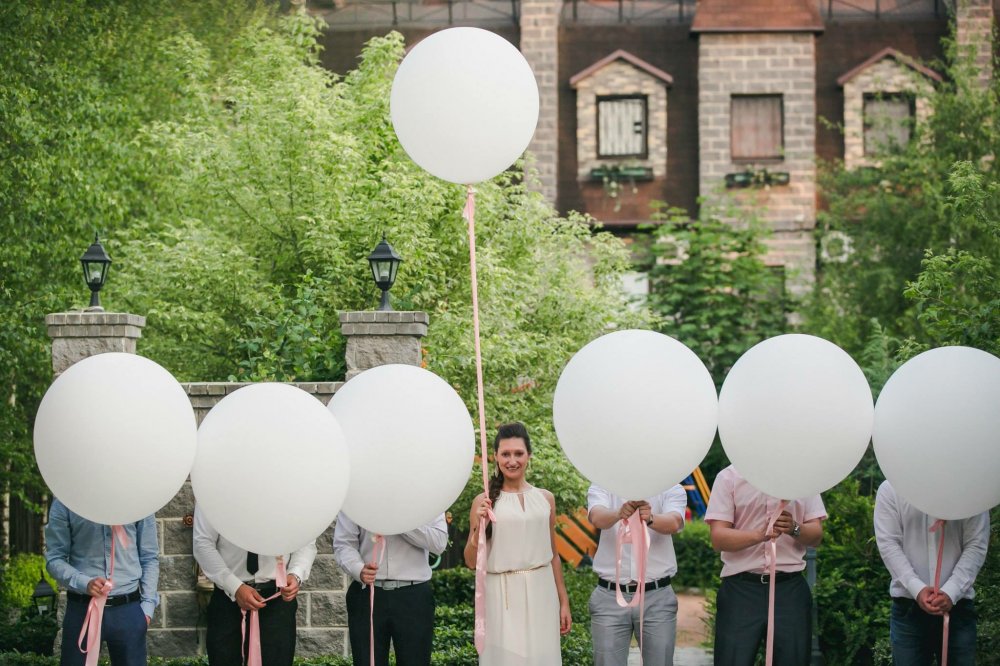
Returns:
(764, 63)
(974, 32)
(539, 45)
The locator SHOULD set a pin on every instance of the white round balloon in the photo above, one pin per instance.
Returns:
(412, 446)
(635, 412)
(795, 415)
(937, 432)
(464, 104)
(115, 437)
(272, 468)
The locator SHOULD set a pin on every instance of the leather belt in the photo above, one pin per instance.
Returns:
(630, 588)
(764, 578)
(117, 600)
(396, 584)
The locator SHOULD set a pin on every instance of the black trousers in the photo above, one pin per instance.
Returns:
(404, 615)
(277, 632)
(741, 621)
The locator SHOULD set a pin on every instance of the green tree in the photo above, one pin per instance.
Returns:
(241, 187)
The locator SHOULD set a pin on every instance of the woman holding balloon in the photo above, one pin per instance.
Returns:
(523, 570)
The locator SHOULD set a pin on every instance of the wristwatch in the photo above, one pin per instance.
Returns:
(649, 521)
(796, 529)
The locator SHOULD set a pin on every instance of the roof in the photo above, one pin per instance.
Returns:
(889, 52)
(757, 16)
(622, 54)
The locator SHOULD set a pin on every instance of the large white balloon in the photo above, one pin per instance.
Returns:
(412, 446)
(635, 412)
(272, 468)
(115, 437)
(937, 431)
(464, 104)
(795, 415)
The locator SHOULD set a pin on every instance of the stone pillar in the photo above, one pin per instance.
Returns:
(379, 338)
(77, 335)
(974, 33)
(540, 46)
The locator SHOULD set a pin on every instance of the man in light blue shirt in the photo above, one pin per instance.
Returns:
(78, 555)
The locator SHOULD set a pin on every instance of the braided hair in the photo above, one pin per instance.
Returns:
(514, 430)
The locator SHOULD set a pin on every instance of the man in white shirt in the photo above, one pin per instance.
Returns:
(612, 626)
(404, 600)
(909, 550)
(243, 581)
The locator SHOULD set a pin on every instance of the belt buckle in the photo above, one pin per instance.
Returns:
(390, 584)
(764, 579)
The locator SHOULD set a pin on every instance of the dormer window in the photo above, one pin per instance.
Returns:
(621, 126)
(889, 119)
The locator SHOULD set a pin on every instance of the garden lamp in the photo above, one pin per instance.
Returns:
(384, 263)
(44, 597)
(96, 263)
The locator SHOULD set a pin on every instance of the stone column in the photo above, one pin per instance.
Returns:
(379, 338)
(77, 335)
(540, 46)
(974, 32)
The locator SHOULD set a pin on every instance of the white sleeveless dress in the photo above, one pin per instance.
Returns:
(522, 605)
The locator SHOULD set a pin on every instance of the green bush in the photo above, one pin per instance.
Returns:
(988, 598)
(454, 587)
(580, 584)
(28, 633)
(19, 577)
(698, 565)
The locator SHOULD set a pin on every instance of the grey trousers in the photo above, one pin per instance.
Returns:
(612, 627)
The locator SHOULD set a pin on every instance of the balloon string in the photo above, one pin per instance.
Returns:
(469, 213)
(938, 527)
(92, 621)
(772, 570)
(377, 554)
(635, 530)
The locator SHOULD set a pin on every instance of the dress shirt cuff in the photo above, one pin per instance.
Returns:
(147, 608)
(298, 572)
(914, 585)
(231, 584)
(78, 582)
(356, 571)
(952, 590)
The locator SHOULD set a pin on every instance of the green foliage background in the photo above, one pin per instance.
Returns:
(239, 188)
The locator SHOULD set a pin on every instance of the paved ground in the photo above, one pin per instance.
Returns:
(691, 633)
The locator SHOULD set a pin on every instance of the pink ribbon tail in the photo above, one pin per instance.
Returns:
(377, 553)
(280, 572)
(633, 529)
(772, 569)
(252, 655)
(90, 632)
(938, 527)
(480, 623)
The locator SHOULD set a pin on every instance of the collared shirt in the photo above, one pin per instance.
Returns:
(661, 560)
(225, 563)
(78, 550)
(405, 556)
(909, 548)
(735, 501)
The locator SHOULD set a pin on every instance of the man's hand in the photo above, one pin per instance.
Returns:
(98, 586)
(291, 588)
(783, 525)
(368, 573)
(248, 598)
(148, 620)
(645, 511)
(626, 510)
(925, 599)
(941, 602)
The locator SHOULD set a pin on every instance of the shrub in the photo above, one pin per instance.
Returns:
(698, 565)
(454, 587)
(988, 598)
(19, 578)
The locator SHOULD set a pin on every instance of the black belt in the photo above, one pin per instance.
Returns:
(765, 578)
(630, 588)
(265, 589)
(118, 600)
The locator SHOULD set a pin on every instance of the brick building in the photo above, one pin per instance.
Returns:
(672, 100)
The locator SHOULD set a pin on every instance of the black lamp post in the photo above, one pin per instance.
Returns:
(44, 597)
(384, 263)
(96, 264)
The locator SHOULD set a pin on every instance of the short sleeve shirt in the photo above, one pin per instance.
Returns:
(735, 501)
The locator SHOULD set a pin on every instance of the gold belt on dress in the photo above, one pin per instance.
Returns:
(503, 580)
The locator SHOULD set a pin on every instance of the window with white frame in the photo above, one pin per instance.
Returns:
(622, 126)
(889, 120)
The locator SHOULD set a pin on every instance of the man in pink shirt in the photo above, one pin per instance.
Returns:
(739, 514)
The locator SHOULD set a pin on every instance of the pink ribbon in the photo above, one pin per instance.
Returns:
(469, 213)
(253, 657)
(938, 527)
(772, 569)
(91, 630)
(377, 554)
(633, 529)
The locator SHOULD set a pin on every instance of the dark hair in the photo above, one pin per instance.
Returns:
(513, 430)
